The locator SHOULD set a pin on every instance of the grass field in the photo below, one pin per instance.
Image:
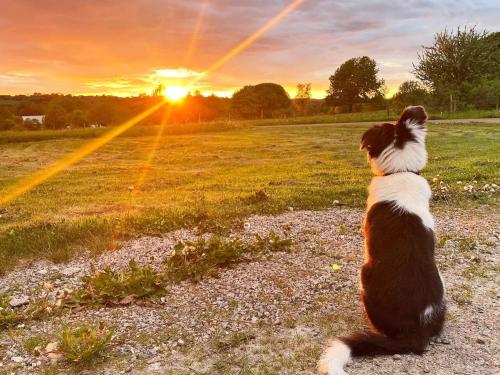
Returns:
(210, 180)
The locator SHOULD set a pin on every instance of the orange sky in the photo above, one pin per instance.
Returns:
(127, 47)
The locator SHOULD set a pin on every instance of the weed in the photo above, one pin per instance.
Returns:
(342, 230)
(8, 315)
(113, 288)
(271, 243)
(257, 197)
(466, 245)
(234, 341)
(463, 296)
(35, 344)
(442, 240)
(195, 259)
(84, 343)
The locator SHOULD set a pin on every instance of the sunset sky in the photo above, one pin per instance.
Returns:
(127, 47)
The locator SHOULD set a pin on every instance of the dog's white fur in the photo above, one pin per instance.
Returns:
(410, 192)
(412, 157)
(334, 359)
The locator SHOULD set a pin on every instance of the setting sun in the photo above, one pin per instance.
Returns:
(175, 93)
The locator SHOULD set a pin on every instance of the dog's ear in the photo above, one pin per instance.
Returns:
(377, 138)
(415, 114)
(368, 139)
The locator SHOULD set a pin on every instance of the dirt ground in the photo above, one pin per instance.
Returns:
(273, 316)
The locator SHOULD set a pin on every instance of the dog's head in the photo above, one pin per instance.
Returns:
(400, 147)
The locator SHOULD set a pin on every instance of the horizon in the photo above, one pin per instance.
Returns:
(77, 47)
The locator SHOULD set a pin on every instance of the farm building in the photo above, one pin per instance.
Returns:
(34, 118)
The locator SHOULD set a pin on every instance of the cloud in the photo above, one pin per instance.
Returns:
(117, 46)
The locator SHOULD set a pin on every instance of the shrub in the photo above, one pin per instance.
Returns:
(84, 343)
(110, 287)
(8, 316)
(195, 259)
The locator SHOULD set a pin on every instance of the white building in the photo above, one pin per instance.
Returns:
(34, 118)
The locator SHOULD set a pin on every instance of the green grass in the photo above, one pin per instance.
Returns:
(85, 343)
(208, 180)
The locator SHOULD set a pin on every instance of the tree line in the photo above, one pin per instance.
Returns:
(459, 71)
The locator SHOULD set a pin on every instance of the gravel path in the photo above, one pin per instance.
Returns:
(274, 315)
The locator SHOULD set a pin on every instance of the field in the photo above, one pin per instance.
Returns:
(217, 265)
(211, 180)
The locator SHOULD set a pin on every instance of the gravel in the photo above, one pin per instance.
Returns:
(288, 305)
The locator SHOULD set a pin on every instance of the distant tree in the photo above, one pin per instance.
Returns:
(158, 90)
(458, 61)
(56, 117)
(302, 99)
(409, 93)
(6, 120)
(355, 81)
(262, 100)
(102, 114)
(78, 119)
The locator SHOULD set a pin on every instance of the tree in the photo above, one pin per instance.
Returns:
(56, 117)
(409, 93)
(78, 119)
(302, 99)
(458, 61)
(158, 90)
(102, 114)
(262, 100)
(355, 81)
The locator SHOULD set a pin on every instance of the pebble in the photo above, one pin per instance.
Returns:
(19, 301)
(17, 359)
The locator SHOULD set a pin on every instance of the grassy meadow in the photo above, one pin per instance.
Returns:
(210, 180)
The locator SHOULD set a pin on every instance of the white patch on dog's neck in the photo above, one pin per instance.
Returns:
(408, 191)
(411, 158)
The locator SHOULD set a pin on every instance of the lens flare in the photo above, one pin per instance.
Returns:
(175, 93)
(172, 93)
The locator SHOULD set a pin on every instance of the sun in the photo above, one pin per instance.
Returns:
(175, 93)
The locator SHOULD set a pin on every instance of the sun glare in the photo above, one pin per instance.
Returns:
(175, 93)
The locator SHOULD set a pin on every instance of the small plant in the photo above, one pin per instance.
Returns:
(84, 343)
(235, 340)
(194, 260)
(8, 315)
(271, 243)
(257, 197)
(110, 287)
(35, 344)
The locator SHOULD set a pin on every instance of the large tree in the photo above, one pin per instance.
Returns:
(458, 61)
(355, 81)
(56, 117)
(264, 100)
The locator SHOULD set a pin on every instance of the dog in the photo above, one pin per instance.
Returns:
(401, 288)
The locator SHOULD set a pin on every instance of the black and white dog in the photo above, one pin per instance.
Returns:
(401, 288)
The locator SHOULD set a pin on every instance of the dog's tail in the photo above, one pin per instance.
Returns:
(369, 343)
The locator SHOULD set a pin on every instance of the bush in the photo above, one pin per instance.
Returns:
(110, 287)
(84, 343)
(194, 260)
